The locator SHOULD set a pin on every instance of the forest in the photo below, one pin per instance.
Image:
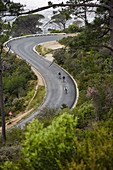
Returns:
(78, 138)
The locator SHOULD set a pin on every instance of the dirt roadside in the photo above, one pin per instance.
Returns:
(53, 45)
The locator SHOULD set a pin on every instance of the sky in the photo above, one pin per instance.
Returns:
(33, 4)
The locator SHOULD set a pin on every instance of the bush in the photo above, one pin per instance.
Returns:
(18, 103)
(55, 31)
(95, 151)
(85, 114)
(72, 28)
(44, 148)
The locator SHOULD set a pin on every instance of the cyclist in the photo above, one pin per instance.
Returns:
(65, 88)
(63, 78)
(59, 75)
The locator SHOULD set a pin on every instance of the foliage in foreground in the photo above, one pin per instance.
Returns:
(62, 146)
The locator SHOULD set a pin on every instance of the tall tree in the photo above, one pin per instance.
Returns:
(61, 18)
(6, 8)
(28, 24)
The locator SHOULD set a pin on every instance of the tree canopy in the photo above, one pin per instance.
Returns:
(61, 18)
(29, 24)
(8, 7)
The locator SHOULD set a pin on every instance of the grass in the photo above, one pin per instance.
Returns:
(39, 98)
(42, 51)
(29, 96)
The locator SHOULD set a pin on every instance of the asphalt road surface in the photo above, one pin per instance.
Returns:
(55, 94)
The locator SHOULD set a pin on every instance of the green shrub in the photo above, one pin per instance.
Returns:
(55, 31)
(95, 151)
(18, 103)
(85, 114)
(43, 148)
(73, 28)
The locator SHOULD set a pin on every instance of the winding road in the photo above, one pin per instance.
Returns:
(55, 94)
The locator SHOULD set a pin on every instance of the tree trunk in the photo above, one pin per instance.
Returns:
(85, 16)
(111, 27)
(1, 102)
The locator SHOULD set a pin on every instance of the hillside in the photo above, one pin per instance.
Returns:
(80, 137)
(72, 139)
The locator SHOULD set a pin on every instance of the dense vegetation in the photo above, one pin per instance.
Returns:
(93, 74)
(81, 138)
(73, 28)
(74, 139)
(18, 80)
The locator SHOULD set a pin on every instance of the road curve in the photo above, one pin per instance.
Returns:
(55, 94)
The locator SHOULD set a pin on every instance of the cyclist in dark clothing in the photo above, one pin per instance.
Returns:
(59, 75)
(63, 78)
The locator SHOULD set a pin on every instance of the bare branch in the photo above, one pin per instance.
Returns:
(104, 33)
(67, 5)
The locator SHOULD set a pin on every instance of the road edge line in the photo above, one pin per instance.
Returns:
(75, 83)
